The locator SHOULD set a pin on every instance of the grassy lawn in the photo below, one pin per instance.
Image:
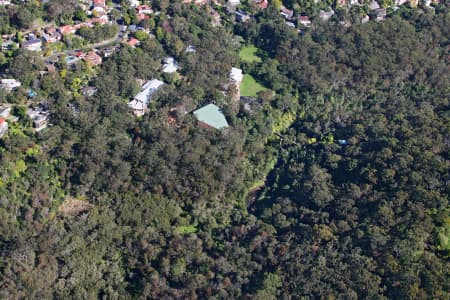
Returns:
(186, 229)
(248, 54)
(249, 86)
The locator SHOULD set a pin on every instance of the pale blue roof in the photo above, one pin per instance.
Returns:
(212, 116)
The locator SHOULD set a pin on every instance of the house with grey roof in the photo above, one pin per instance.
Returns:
(39, 116)
(139, 105)
(32, 44)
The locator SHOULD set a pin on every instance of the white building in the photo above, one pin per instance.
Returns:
(33, 44)
(3, 127)
(234, 2)
(191, 49)
(9, 84)
(374, 5)
(236, 75)
(39, 116)
(5, 2)
(5, 112)
(169, 65)
(304, 20)
(326, 15)
(139, 105)
(134, 3)
(365, 19)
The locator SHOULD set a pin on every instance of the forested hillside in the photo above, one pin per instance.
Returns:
(333, 185)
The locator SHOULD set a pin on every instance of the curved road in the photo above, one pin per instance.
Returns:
(114, 40)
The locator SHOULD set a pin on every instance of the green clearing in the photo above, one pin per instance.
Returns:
(186, 229)
(250, 87)
(248, 54)
(443, 237)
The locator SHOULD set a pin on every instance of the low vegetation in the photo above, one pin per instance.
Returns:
(250, 87)
(104, 205)
(250, 54)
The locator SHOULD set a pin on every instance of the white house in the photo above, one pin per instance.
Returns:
(169, 65)
(326, 15)
(139, 105)
(234, 2)
(39, 116)
(242, 16)
(236, 75)
(5, 112)
(191, 49)
(286, 13)
(33, 44)
(374, 5)
(134, 3)
(5, 2)
(9, 84)
(304, 20)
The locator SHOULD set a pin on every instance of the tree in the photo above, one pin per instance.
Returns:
(141, 35)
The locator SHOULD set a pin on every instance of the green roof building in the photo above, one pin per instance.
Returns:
(211, 116)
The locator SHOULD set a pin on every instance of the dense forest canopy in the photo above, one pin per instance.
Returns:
(334, 184)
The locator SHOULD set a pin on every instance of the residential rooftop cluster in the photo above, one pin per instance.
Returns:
(99, 14)
(299, 20)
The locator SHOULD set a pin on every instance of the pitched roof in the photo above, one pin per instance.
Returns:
(303, 19)
(148, 89)
(170, 65)
(133, 42)
(141, 100)
(31, 42)
(67, 29)
(236, 75)
(93, 58)
(211, 115)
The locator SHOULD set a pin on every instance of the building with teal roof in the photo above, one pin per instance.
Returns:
(211, 116)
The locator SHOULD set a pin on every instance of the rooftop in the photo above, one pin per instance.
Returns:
(211, 115)
(142, 99)
(236, 75)
(170, 65)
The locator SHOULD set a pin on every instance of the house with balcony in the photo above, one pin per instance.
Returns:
(139, 104)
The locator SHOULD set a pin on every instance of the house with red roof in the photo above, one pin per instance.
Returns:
(79, 54)
(3, 127)
(100, 20)
(261, 4)
(142, 17)
(304, 20)
(287, 13)
(93, 58)
(133, 42)
(342, 3)
(66, 29)
(50, 30)
(99, 3)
